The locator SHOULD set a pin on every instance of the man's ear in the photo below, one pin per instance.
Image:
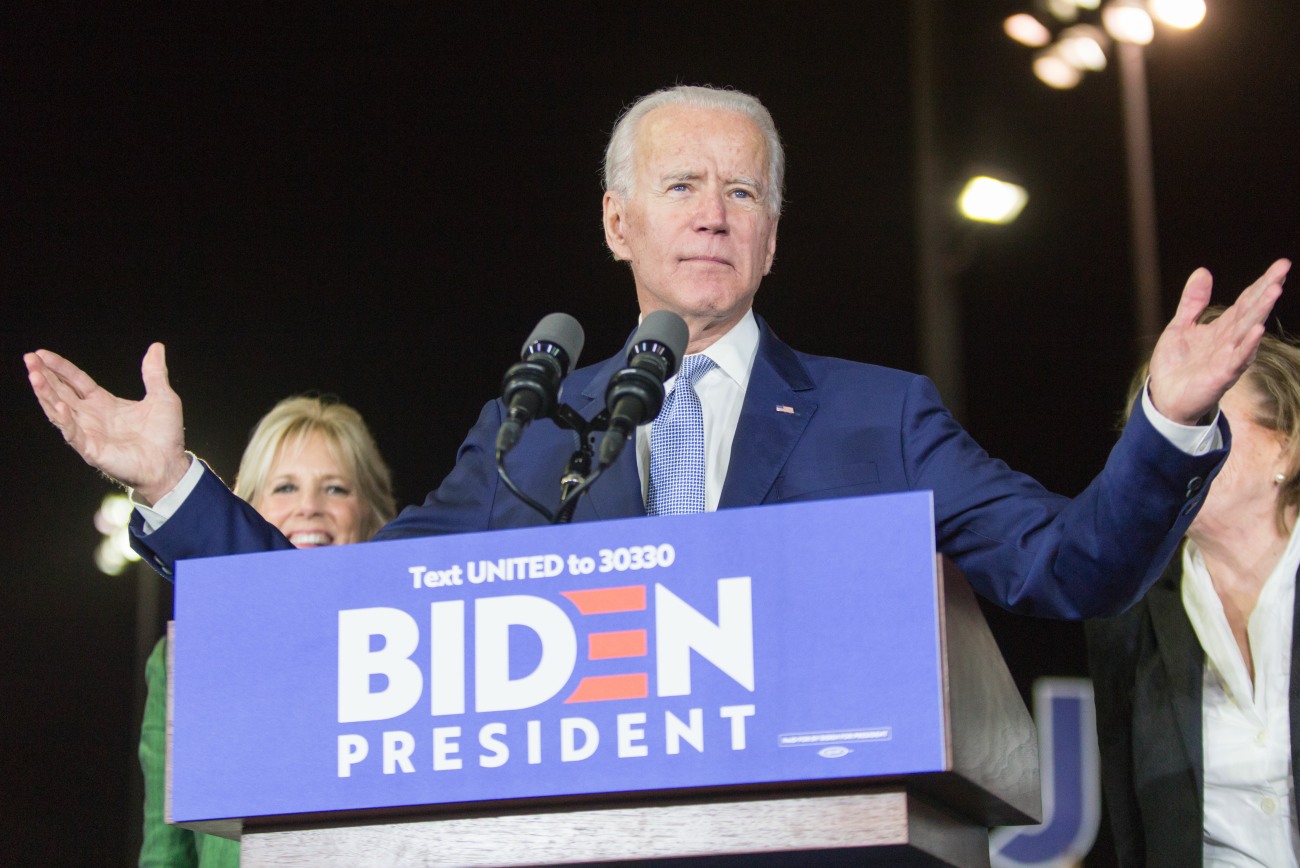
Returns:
(615, 221)
(771, 249)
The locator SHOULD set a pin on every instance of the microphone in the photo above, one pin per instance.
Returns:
(531, 386)
(636, 393)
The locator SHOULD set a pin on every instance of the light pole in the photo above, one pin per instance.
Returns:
(1062, 62)
(1141, 193)
(983, 200)
(939, 331)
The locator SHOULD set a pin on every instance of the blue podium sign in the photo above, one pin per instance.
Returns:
(742, 647)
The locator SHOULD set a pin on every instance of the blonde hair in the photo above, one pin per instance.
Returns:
(1274, 380)
(347, 438)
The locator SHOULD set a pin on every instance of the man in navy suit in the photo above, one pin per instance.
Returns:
(692, 203)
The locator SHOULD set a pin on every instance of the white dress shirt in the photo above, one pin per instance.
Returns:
(722, 392)
(1250, 812)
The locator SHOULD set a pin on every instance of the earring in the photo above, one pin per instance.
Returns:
(1279, 478)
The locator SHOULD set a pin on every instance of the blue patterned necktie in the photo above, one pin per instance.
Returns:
(677, 446)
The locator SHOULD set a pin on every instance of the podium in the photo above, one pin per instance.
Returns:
(765, 686)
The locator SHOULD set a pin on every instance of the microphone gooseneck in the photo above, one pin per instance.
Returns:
(531, 387)
(636, 392)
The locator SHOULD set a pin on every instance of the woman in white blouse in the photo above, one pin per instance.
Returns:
(1194, 685)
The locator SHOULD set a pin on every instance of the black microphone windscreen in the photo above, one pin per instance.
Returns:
(666, 328)
(561, 330)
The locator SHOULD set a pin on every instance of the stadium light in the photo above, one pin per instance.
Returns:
(989, 200)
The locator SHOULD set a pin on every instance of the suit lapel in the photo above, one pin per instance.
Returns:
(1184, 663)
(779, 403)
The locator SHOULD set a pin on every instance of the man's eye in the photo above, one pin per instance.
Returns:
(742, 194)
(678, 187)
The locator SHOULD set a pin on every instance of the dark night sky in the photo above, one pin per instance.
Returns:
(379, 201)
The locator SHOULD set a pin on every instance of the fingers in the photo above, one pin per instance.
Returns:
(1243, 325)
(47, 388)
(1277, 272)
(1270, 280)
(50, 389)
(153, 370)
(39, 377)
(65, 371)
(1252, 306)
(1193, 365)
(1256, 301)
(1194, 299)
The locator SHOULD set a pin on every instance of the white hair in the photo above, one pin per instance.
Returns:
(620, 155)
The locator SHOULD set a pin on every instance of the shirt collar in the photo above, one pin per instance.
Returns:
(735, 351)
(1205, 611)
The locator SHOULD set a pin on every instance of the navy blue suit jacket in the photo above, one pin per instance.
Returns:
(855, 429)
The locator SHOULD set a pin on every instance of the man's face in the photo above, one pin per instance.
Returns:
(697, 230)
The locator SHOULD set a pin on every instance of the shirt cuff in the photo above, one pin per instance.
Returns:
(1191, 439)
(156, 516)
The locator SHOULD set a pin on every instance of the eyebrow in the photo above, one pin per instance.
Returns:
(679, 176)
(691, 175)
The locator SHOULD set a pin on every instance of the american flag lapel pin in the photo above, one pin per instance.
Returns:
(785, 408)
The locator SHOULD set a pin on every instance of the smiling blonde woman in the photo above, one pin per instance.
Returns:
(312, 469)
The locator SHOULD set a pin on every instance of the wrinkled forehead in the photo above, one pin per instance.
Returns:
(677, 139)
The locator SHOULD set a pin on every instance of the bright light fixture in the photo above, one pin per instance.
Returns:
(1183, 14)
(1128, 21)
(1027, 30)
(988, 200)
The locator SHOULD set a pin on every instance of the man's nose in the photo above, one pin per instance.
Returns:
(711, 215)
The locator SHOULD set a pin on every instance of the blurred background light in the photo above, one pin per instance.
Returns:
(1083, 47)
(1054, 70)
(1027, 30)
(1183, 14)
(114, 551)
(1128, 21)
(989, 200)
(1062, 10)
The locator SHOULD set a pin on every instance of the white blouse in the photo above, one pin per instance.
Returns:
(1250, 810)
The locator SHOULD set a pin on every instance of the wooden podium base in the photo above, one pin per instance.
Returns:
(880, 826)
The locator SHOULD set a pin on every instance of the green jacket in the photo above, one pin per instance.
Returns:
(164, 845)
